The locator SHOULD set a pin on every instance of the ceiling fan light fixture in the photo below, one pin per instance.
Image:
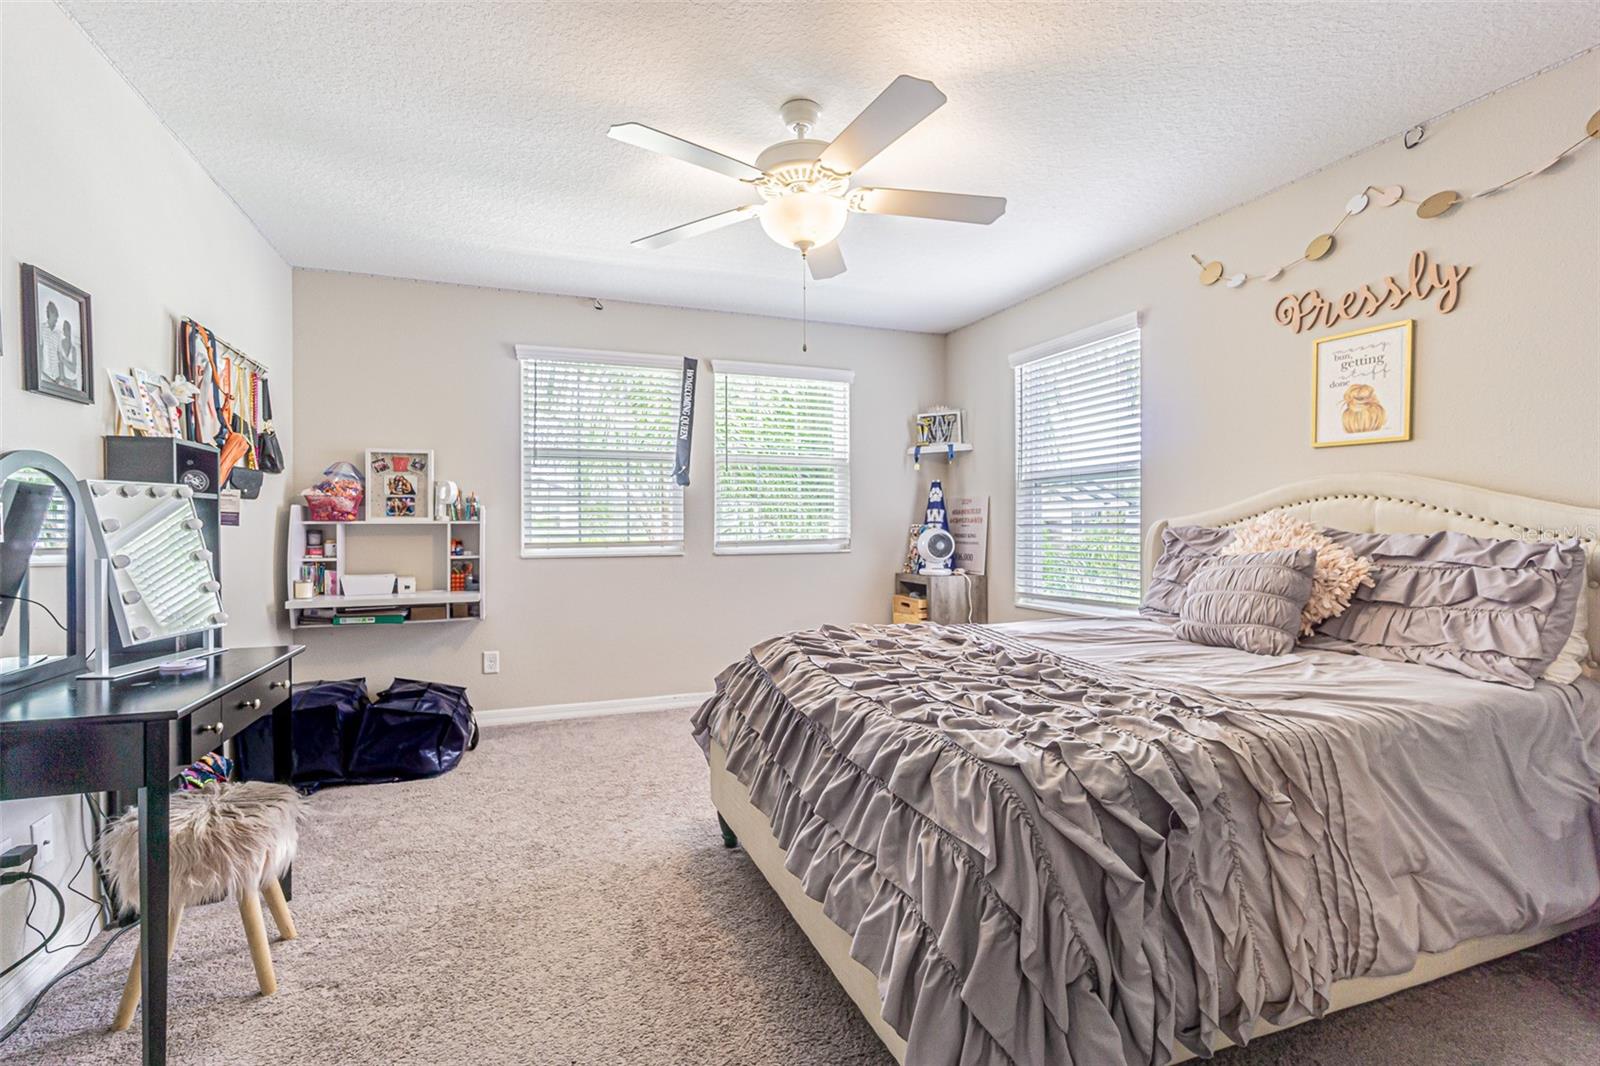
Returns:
(805, 219)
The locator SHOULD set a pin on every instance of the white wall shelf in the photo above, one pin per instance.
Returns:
(359, 547)
(939, 451)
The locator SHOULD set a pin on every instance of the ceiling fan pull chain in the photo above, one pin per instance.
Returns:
(804, 310)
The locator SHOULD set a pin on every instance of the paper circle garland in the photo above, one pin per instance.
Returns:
(1387, 195)
(1434, 206)
(1438, 204)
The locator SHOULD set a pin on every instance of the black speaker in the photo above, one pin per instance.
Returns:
(165, 460)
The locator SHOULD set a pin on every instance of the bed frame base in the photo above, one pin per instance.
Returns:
(743, 824)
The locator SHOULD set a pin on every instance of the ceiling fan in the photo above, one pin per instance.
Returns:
(804, 184)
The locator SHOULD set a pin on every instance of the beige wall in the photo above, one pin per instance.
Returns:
(387, 363)
(99, 193)
(1507, 391)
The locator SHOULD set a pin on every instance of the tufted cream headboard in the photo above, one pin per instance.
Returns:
(1403, 503)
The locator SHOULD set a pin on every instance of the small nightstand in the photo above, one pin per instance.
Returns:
(947, 595)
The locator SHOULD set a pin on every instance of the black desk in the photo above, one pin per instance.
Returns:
(64, 737)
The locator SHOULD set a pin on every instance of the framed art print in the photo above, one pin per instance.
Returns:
(399, 485)
(57, 337)
(1362, 386)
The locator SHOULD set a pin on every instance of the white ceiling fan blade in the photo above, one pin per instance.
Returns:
(697, 227)
(906, 102)
(678, 148)
(825, 262)
(949, 206)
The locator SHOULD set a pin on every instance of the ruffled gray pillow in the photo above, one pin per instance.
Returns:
(1496, 610)
(1251, 602)
(1184, 549)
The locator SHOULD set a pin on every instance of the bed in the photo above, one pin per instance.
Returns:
(1083, 840)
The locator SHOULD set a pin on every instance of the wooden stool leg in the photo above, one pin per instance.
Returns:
(280, 910)
(255, 931)
(131, 991)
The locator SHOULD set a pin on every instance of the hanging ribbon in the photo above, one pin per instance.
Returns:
(680, 466)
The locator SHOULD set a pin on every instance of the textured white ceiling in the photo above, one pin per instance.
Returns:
(465, 142)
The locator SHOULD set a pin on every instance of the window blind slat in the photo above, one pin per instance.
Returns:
(1078, 474)
(782, 461)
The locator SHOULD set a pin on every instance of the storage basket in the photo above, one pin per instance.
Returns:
(321, 507)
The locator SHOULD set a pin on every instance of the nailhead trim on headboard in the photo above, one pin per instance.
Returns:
(1523, 530)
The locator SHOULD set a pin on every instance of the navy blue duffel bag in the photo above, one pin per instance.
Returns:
(413, 729)
(342, 736)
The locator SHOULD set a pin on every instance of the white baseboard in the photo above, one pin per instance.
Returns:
(19, 987)
(553, 712)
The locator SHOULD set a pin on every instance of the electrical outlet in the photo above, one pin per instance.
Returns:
(43, 835)
(491, 662)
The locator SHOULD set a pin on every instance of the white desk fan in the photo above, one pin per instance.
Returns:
(937, 547)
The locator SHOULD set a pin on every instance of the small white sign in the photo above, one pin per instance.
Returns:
(969, 525)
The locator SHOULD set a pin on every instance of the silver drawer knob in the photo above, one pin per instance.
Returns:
(277, 684)
(250, 705)
(214, 727)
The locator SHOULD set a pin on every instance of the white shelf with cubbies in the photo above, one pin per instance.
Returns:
(326, 586)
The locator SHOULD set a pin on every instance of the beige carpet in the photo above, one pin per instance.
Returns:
(542, 905)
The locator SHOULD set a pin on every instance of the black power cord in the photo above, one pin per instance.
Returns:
(12, 877)
(27, 1012)
(24, 855)
(36, 603)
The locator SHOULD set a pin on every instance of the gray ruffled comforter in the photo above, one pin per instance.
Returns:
(1054, 845)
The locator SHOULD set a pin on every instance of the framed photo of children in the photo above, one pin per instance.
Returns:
(1362, 386)
(57, 340)
(399, 485)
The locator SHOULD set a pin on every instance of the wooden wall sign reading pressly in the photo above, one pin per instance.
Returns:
(1312, 310)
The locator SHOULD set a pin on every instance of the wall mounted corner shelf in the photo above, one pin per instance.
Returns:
(939, 451)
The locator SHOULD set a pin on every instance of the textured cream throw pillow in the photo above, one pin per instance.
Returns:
(1339, 570)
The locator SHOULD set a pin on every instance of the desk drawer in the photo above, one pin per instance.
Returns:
(252, 700)
(204, 730)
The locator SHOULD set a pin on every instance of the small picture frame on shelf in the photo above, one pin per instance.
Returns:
(399, 485)
(939, 427)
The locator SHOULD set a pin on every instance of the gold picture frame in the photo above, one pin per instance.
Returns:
(1360, 384)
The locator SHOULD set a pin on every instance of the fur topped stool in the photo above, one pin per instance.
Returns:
(227, 839)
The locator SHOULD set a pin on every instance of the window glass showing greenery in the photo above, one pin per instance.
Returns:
(1077, 426)
(598, 441)
(782, 458)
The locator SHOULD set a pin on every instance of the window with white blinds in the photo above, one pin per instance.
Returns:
(55, 535)
(1077, 425)
(598, 442)
(782, 458)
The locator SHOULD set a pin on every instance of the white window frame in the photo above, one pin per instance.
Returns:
(721, 367)
(526, 353)
(1047, 349)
